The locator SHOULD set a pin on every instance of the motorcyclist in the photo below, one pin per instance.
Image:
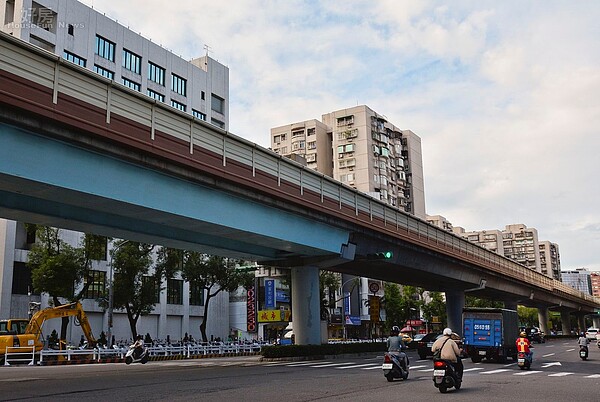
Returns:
(396, 345)
(583, 340)
(524, 346)
(138, 346)
(449, 350)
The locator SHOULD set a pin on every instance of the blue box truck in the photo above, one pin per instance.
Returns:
(490, 333)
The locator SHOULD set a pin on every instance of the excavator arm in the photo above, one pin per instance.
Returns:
(66, 310)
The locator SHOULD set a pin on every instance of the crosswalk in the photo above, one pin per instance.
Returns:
(417, 368)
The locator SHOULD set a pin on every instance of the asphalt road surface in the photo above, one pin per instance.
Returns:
(556, 375)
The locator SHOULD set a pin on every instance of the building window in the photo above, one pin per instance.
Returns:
(73, 58)
(131, 84)
(151, 285)
(196, 294)
(178, 84)
(103, 72)
(217, 104)
(70, 29)
(202, 95)
(156, 95)
(132, 61)
(105, 48)
(198, 115)
(217, 123)
(156, 73)
(178, 105)
(312, 145)
(21, 280)
(174, 291)
(97, 284)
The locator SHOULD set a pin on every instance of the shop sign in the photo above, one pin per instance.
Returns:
(273, 315)
(269, 294)
(251, 309)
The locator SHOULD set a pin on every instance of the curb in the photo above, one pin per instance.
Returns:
(151, 358)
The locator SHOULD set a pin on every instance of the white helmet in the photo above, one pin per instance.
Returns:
(447, 331)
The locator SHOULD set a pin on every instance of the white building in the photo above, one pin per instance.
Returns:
(85, 37)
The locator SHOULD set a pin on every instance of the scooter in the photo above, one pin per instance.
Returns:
(445, 375)
(136, 354)
(524, 361)
(395, 366)
(583, 352)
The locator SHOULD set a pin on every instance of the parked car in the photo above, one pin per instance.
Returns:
(425, 344)
(591, 333)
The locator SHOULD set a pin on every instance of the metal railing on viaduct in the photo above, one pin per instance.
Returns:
(38, 82)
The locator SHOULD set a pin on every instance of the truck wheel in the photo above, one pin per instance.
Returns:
(475, 359)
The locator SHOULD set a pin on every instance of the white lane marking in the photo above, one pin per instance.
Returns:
(570, 350)
(593, 376)
(302, 364)
(473, 369)
(495, 371)
(332, 364)
(549, 354)
(528, 372)
(416, 367)
(559, 374)
(371, 368)
(357, 366)
(510, 364)
(426, 370)
(544, 365)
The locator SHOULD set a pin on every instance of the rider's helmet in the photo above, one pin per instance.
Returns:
(582, 334)
(395, 330)
(447, 331)
(522, 334)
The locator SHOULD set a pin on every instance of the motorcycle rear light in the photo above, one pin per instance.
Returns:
(439, 364)
(386, 359)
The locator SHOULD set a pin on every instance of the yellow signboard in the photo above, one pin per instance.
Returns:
(374, 308)
(273, 315)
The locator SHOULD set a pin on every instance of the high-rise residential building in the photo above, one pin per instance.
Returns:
(595, 282)
(519, 243)
(199, 87)
(579, 278)
(550, 259)
(93, 41)
(440, 222)
(362, 149)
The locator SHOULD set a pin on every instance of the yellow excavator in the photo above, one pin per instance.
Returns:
(28, 333)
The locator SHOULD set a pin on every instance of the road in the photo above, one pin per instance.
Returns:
(557, 375)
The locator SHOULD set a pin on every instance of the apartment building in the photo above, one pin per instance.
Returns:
(595, 282)
(93, 41)
(519, 243)
(362, 149)
(440, 222)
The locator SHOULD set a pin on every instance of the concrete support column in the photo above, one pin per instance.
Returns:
(581, 322)
(455, 302)
(596, 321)
(510, 305)
(543, 319)
(566, 322)
(306, 305)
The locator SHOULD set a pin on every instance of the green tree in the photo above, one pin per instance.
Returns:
(135, 288)
(213, 274)
(528, 317)
(392, 302)
(327, 281)
(436, 307)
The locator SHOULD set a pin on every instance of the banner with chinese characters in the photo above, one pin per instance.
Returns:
(374, 308)
(269, 294)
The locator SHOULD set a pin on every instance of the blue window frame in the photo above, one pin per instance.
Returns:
(132, 61)
(178, 84)
(73, 58)
(104, 72)
(156, 73)
(105, 48)
(178, 105)
(131, 84)
(198, 115)
(156, 95)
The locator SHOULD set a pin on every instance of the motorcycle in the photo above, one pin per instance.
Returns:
(583, 352)
(395, 366)
(524, 361)
(136, 354)
(445, 375)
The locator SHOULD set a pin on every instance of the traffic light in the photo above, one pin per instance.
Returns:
(381, 255)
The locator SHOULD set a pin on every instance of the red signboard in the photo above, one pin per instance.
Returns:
(251, 310)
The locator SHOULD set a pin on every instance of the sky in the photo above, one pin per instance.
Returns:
(505, 95)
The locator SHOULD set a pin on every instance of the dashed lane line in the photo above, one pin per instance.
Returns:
(355, 366)
(371, 368)
(570, 350)
(549, 354)
(494, 371)
(473, 369)
(593, 376)
(528, 372)
(332, 364)
(563, 374)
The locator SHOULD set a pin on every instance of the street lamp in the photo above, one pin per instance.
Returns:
(111, 294)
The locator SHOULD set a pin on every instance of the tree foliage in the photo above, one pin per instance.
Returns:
(330, 282)
(436, 307)
(135, 288)
(213, 274)
(528, 316)
(392, 303)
